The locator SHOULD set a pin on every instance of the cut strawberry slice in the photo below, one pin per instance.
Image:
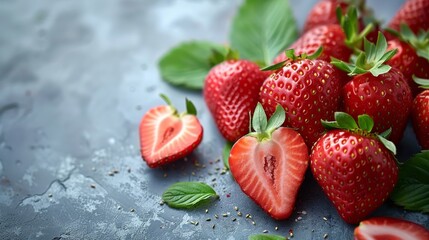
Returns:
(166, 136)
(269, 165)
(386, 228)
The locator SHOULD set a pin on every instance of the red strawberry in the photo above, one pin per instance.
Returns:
(387, 228)
(308, 89)
(337, 40)
(355, 168)
(324, 13)
(377, 89)
(412, 57)
(420, 114)
(166, 135)
(414, 13)
(269, 164)
(231, 91)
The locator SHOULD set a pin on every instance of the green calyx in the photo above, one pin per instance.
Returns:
(419, 42)
(221, 56)
(190, 107)
(371, 60)
(363, 127)
(423, 83)
(290, 54)
(264, 128)
(350, 24)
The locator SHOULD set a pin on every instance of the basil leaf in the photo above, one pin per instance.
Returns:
(262, 29)
(266, 237)
(225, 153)
(412, 189)
(188, 194)
(188, 64)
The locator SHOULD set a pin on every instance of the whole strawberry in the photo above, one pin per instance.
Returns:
(377, 89)
(420, 114)
(356, 169)
(324, 13)
(412, 57)
(337, 40)
(231, 91)
(270, 163)
(166, 135)
(414, 13)
(308, 89)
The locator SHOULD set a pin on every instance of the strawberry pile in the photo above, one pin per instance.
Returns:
(338, 98)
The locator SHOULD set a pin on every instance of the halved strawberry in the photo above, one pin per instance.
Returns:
(387, 228)
(166, 135)
(269, 164)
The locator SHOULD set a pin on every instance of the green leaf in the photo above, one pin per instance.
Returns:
(274, 66)
(190, 107)
(365, 122)
(412, 189)
(277, 119)
(225, 153)
(330, 124)
(386, 133)
(262, 29)
(266, 237)
(345, 121)
(423, 83)
(188, 64)
(166, 99)
(388, 144)
(187, 194)
(259, 120)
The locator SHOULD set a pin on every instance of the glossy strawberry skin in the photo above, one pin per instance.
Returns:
(323, 13)
(420, 118)
(408, 63)
(414, 13)
(165, 137)
(308, 90)
(385, 228)
(330, 37)
(357, 173)
(231, 91)
(386, 98)
(270, 172)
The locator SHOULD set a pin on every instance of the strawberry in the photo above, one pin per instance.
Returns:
(412, 57)
(231, 91)
(356, 168)
(269, 164)
(385, 228)
(420, 114)
(324, 13)
(308, 89)
(414, 13)
(377, 89)
(337, 40)
(166, 135)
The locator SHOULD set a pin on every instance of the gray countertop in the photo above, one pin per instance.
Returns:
(75, 79)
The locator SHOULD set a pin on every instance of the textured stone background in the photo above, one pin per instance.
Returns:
(75, 79)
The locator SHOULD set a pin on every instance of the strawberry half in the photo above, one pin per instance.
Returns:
(420, 114)
(166, 135)
(387, 228)
(377, 89)
(269, 164)
(356, 169)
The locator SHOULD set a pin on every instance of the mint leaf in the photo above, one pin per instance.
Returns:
(187, 194)
(412, 189)
(262, 29)
(266, 237)
(188, 64)
(225, 153)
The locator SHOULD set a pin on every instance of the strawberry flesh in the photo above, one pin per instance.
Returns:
(165, 137)
(387, 228)
(270, 172)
